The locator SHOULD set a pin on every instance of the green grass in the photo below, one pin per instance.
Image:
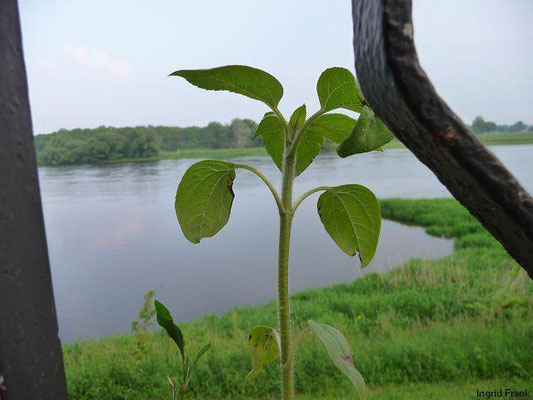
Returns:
(428, 329)
(488, 140)
(508, 138)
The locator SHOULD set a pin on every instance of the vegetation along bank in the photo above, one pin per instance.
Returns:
(430, 329)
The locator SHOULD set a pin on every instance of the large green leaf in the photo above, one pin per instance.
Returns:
(352, 217)
(271, 130)
(264, 346)
(340, 353)
(370, 133)
(248, 81)
(337, 88)
(335, 127)
(164, 319)
(204, 198)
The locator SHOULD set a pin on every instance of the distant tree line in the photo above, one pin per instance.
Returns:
(107, 143)
(479, 125)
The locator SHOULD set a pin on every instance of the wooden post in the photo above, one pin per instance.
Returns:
(31, 361)
(401, 94)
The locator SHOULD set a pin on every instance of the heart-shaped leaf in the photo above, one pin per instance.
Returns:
(204, 198)
(165, 321)
(340, 353)
(264, 346)
(369, 134)
(271, 130)
(352, 217)
(337, 88)
(248, 81)
(335, 127)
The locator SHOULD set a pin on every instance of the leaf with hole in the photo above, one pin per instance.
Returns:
(204, 198)
(340, 353)
(369, 134)
(352, 217)
(165, 321)
(337, 88)
(264, 346)
(241, 79)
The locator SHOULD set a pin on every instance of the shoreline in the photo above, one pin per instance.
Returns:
(415, 326)
(225, 154)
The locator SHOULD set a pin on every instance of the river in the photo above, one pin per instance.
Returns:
(113, 235)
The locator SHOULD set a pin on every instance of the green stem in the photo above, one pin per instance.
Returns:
(287, 367)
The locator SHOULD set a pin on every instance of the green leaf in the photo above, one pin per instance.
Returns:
(340, 353)
(264, 346)
(298, 118)
(204, 198)
(165, 321)
(248, 81)
(369, 134)
(337, 88)
(271, 130)
(308, 148)
(335, 127)
(352, 217)
(202, 351)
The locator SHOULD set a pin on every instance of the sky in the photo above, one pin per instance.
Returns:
(105, 62)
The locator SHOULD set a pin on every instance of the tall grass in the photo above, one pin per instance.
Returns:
(467, 317)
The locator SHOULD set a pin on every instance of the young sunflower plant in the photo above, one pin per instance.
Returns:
(350, 213)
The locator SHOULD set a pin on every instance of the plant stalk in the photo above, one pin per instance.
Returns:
(287, 365)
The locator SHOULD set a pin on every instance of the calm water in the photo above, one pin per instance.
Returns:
(113, 235)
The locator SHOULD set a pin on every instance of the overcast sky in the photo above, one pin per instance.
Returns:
(105, 62)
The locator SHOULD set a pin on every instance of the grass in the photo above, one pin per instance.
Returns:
(430, 329)
(488, 140)
(508, 138)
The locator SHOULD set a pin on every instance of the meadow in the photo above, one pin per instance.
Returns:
(429, 329)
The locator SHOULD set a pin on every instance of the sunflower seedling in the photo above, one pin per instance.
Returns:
(350, 213)
(164, 319)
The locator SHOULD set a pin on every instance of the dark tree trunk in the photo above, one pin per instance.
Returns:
(31, 361)
(401, 94)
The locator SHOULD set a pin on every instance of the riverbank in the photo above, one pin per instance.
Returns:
(488, 140)
(222, 154)
(428, 329)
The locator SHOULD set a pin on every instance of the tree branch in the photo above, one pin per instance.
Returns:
(401, 94)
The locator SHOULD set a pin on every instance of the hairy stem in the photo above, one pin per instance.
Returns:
(281, 207)
(287, 367)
